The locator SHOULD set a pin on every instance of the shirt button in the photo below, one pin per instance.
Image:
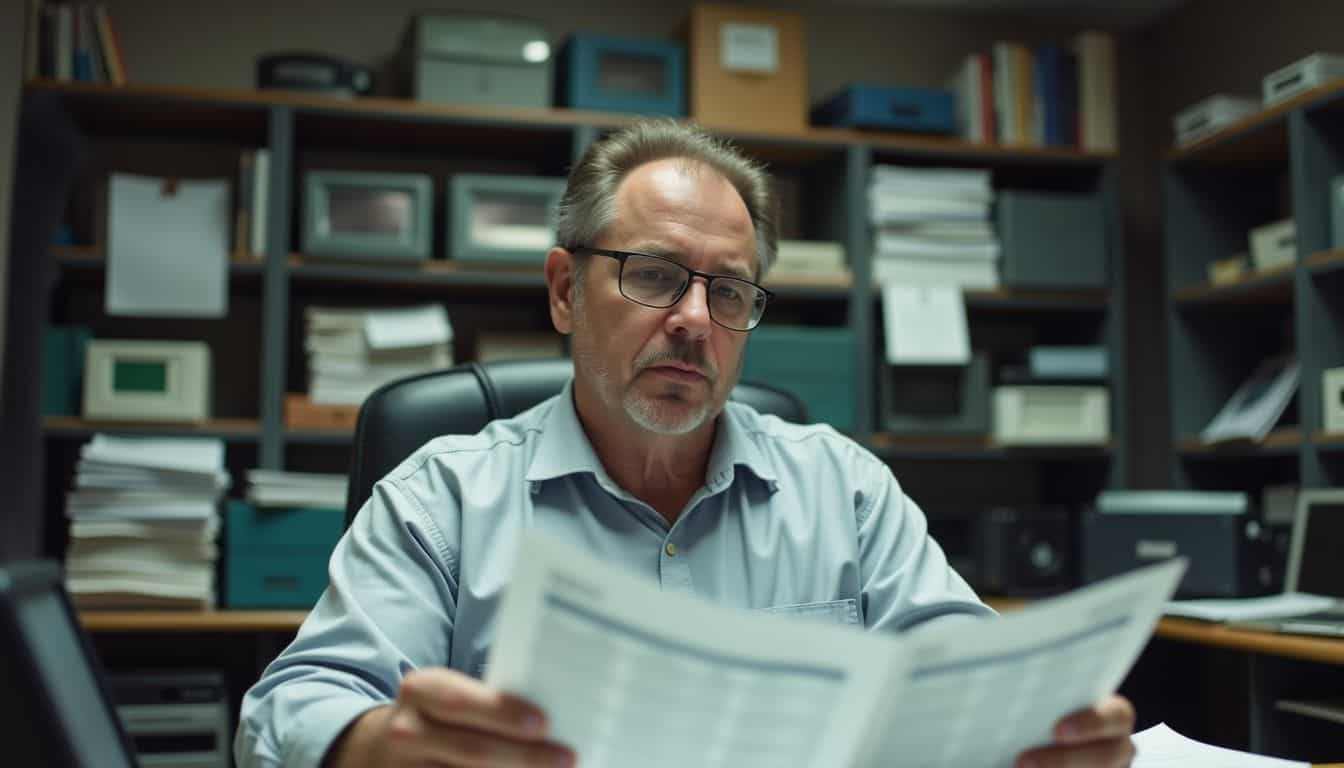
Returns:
(671, 549)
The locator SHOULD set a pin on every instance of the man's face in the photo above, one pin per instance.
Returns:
(668, 370)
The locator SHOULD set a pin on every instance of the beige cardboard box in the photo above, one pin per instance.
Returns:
(748, 68)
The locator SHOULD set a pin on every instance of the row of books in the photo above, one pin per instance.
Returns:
(1057, 95)
(73, 41)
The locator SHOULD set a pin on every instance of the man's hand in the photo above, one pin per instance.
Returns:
(1092, 737)
(445, 718)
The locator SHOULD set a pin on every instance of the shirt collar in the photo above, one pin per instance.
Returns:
(564, 448)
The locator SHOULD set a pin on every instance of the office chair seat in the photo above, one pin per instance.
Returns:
(403, 415)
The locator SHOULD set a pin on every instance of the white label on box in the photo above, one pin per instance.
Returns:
(749, 48)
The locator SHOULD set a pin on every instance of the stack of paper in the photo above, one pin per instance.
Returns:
(144, 517)
(272, 488)
(352, 352)
(932, 227)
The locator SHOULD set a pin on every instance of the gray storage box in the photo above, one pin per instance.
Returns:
(472, 58)
(941, 400)
(502, 219)
(366, 216)
(1052, 240)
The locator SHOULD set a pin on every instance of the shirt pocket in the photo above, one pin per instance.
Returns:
(829, 611)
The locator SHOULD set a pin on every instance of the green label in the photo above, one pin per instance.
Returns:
(139, 376)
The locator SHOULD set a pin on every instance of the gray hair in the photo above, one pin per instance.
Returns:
(589, 204)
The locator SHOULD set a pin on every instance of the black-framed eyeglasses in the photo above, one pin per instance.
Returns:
(660, 282)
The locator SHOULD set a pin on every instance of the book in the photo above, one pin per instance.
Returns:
(1096, 91)
(582, 639)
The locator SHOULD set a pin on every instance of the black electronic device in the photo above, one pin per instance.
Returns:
(1025, 551)
(54, 702)
(313, 73)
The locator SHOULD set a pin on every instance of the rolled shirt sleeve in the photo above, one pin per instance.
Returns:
(388, 609)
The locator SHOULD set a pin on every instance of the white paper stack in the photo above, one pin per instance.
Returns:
(144, 516)
(352, 352)
(932, 227)
(272, 488)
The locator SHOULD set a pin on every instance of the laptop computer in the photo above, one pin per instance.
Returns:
(1314, 565)
(54, 703)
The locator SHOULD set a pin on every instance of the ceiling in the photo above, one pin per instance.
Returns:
(1120, 12)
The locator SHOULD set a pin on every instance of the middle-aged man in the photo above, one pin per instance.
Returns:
(664, 233)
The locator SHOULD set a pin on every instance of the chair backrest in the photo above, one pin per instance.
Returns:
(401, 416)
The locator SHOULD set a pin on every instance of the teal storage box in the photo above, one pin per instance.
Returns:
(612, 74)
(816, 364)
(277, 557)
(63, 369)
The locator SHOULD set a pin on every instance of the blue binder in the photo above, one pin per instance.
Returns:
(892, 108)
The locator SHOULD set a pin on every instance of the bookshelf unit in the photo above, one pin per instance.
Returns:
(829, 168)
(1272, 165)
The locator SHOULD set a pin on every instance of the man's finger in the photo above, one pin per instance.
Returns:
(432, 742)
(1111, 718)
(450, 697)
(1113, 753)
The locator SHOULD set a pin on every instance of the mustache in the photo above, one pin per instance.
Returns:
(686, 354)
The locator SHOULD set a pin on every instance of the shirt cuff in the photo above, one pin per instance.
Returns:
(312, 733)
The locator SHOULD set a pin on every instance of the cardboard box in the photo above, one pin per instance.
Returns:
(303, 413)
(748, 68)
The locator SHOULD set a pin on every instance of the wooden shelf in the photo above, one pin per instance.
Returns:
(1273, 286)
(1326, 262)
(1280, 442)
(163, 108)
(1258, 141)
(92, 258)
(889, 446)
(191, 621)
(1331, 442)
(239, 430)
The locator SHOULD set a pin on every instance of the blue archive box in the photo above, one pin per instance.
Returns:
(611, 74)
(891, 108)
(277, 557)
(816, 364)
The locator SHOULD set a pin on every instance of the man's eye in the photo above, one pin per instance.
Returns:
(729, 292)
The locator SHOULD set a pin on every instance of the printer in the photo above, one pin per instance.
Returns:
(1230, 549)
(174, 719)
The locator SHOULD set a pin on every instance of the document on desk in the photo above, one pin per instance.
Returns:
(632, 676)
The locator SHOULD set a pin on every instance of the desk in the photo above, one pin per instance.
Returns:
(1222, 685)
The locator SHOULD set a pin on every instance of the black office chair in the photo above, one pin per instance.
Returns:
(401, 416)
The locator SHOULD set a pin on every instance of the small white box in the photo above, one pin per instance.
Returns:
(1274, 245)
(1301, 76)
(1049, 415)
(147, 380)
(1210, 115)
(1332, 394)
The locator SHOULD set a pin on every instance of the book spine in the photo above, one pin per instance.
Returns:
(261, 175)
(242, 216)
(83, 62)
(1096, 77)
(111, 58)
(987, 111)
(94, 42)
(65, 44)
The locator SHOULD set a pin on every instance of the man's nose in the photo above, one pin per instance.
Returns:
(690, 315)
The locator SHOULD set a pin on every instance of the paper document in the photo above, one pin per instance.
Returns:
(1279, 606)
(1161, 747)
(925, 325)
(630, 675)
(168, 247)
(411, 327)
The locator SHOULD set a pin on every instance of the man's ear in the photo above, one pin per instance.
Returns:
(560, 288)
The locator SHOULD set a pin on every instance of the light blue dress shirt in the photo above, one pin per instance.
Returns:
(791, 518)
